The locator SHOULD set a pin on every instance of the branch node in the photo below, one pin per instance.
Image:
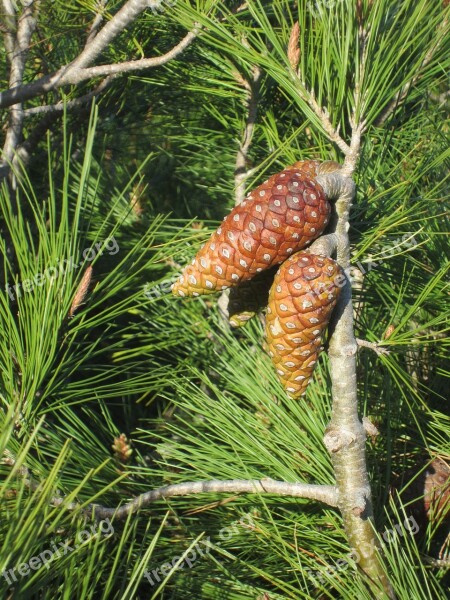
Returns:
(375, 346)
(337, 439)
(370, 428)
(360, 501)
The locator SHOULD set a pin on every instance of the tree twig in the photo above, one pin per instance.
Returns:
(376, 347)
(17, 41)
(21, 153)
(98, 19)
(345, 436)
(352, 156)
(438, 563)
(240, 172)
(71, 104)
(324, 116)
(80, 75)
(308, 96)
(322, 493)
(79, 70)
(325, 245)
(25, 149)
(51, 113)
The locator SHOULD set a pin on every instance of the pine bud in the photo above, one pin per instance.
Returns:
(389, 331)
(122, 448)
(293, 51)
(81, 292)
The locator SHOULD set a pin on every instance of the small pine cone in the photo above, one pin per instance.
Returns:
(279, 217)
(304, 292)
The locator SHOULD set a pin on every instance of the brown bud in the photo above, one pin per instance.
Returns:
(389, 331)
(81, 292)
(241, 80)
(122, 448)
(437, 490)
(293, 51)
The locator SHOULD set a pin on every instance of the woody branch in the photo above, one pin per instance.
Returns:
(251, 86)
(80, 69)
(345, 436)
(18, 31)
(322, 493)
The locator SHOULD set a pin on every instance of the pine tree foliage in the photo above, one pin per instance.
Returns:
(114, 202)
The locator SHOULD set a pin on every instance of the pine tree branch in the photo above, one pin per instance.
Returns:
(438, 563)
(240, 172)
(17, 40)
(325, 245)
(80, 75)
(372, 346)
(352, 156)
(79, 69)
(345, 436)
(26, 148)
(123, 17)
(71, 104)
(308, 96)
(321, 493)
(324, 116)
(98, 19)
(15, 154)
(51, 113)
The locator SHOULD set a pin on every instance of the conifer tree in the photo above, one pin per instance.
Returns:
(130, 128)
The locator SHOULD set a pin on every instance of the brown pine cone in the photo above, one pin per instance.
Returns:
(437, 490)
(304, 292)
(425, 489)
(279, 217)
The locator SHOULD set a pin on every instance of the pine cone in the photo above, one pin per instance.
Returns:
(304, 292)
(425, 489)
(279, 217)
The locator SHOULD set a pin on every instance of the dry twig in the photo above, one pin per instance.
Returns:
(240, 172)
